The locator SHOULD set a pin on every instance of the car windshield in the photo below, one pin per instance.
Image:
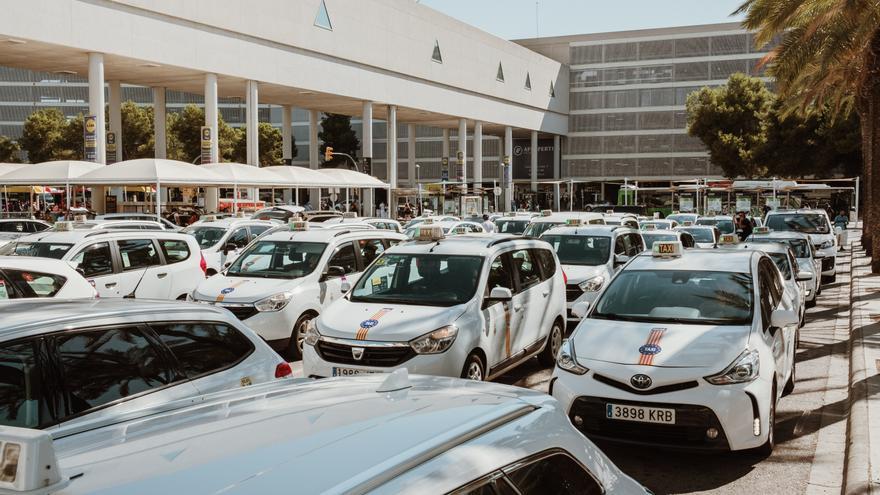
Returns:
(515, 227)
(700, 235)
(781, 260)
(584, 250)
(207, 237)
(800, 247)
(36, 249)
(678, 296)
(278, 259)
(651, 238)
(420, 279)
(535, 229)
(657, 225)
(808, 223)
(725, 226)
(682, 217)
(272, 215)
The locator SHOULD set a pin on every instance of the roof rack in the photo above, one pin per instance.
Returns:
(495, 242)
(345, 231)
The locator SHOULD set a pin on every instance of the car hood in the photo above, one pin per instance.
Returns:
(806, 264)
(578, 273)
(242, 289)
(384, 322)
(704, 245)
(817, 239)
(668, 345)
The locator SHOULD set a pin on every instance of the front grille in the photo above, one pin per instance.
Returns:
(572, 292)
(689, 430)
(241, 312)
(664, 389)
(373, 356)
(827, 264)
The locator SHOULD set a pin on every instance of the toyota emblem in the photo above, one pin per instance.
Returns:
(358, 353)
(641, 382)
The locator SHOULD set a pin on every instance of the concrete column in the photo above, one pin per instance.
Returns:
(96, 108)
(557, 156)
(534, 157)
(116, 116)
(478, 154)
(411, 153)
(368, 197)
(252, 120)
(159, 122)
(446, 143)
(211, 114)
(286, 133)
(508, 153)
(314, 145)
(391, 142)
(462, 148)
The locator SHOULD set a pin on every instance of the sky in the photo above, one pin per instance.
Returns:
(515, 19)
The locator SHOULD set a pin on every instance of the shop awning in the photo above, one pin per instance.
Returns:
(342, 177)
(301, 177)
(49, 173)
(151, 171)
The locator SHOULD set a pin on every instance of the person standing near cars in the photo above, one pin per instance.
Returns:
(840, 223)
(488, 226)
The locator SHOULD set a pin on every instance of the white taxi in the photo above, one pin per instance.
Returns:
(380, 435)
(285, 279)
(705, 236)
(547, 220)
(684, 348)
(802, 248)
(590, 256)
(464, 306)
(450, 228)
(222, 239)
(25, 278)
(651, 235)
(816, 225)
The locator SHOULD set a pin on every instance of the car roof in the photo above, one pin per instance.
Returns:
(592, 230)
(31, 317)
(714, 260)
(229, 222)
(563, 216)
(767, 247)
(256, 439)
(36, 264)
(328, 235)
(715, 217)
(661, 231)
(467, 244)
(782, 235)
(797, 211)
(75, 236)
(4, 220)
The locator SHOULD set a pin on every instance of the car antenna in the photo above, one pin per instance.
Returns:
(131, 294)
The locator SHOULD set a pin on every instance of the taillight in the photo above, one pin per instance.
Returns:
(203, 265)
(564, 278)
(283, 370)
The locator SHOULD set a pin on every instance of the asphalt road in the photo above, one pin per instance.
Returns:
(813, 415)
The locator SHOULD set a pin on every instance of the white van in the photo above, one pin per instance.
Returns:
(547, 220)
(222, 239)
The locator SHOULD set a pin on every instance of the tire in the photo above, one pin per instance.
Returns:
(767, 449)
(829, 279)
(547, 357)
(812, 304)
(295, 346)
(474, 369)
(789, 385)
(819, 290)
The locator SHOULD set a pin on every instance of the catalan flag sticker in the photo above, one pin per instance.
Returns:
(371, 322)
(651, 347)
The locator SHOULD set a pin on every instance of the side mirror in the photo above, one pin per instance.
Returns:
(333, 272)
(804, 276)
(227, 264)
(229, 247)
(345, 286)
(499, 294)
(620, 259)
(781, 318)
(580, 309)
(81, 272)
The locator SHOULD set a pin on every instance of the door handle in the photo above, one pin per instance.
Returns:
(161, 275)
(546, 293)
(518, 307)
(110, 285)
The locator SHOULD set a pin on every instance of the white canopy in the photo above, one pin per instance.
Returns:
(151, 171)
(49, 173)
(245, 175)
(350, 178)
(5, 168)
(293, 176)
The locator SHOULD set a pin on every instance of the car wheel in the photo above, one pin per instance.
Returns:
(554, 341)
(829, 279)
(819, 290)
(789, 385)
(812, 303)
(295, 347)
(767, 449)
(474, 369)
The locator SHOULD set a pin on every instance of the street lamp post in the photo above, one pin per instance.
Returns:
(419, 185)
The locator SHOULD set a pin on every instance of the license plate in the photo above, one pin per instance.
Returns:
(640, 414)
(351, 372)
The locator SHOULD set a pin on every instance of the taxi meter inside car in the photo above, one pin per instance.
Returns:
(683, 348)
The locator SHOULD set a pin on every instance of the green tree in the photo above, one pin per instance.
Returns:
(269, 142)
(137, 131)
(336, 132)
(42, 133)
(71, 146)
(730, 122)
(829, 55)
(186, 139)
(9, 150)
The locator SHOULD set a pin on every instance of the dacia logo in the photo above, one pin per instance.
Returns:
(641, 382)
(357, 353)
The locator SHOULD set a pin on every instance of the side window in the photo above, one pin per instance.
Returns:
(256, 230)
(202, 348)
(494, 484)
(499, 274)
(636, 245)
(597, 221)
(475, 228)
(102, 366)
(17, 227)
(546, 261)
(138, 254)
(686, 240)
(94, 260)
(174, 251)
(239, 237)
(619, 246)
(527, 268)
(766, 275)
(344, 257)
(556, 473)
(37, 227)
(370, 249)
(23, 400)
(34, 284)
(7, 291)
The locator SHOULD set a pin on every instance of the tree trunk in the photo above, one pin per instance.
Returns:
(872, 178)
(864, 108)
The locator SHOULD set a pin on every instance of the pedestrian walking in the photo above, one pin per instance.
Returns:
(840, 223)
(488, 226)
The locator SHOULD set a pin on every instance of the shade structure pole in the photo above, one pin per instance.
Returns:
(159, 201)
(234, 198)
(347, 206)
(296, 195)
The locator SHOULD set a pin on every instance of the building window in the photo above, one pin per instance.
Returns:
(528, 82)
(322, 19)
(499, 75)
(437, 56)
(552, 90)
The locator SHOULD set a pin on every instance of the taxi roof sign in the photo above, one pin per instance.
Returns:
(762, 230)
(80, 219)
(239, 214)
(298, 225)
(666, 249)
(609, 212)
(649, 226)
(349, 214)
(29, 462)
(727, 239)
(210, 218)
(573, 222)
(430, 234)
(687, 223)
(428, 221)
(64, 226)
(546, 213)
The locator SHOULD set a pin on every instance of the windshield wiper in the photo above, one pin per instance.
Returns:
(603, 316)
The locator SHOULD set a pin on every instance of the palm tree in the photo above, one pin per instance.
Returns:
(828, 54)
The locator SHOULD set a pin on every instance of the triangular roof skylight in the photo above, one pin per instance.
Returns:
(437, 56)
(528, 82)
(322, 19)
(552, 90)
(500, 74)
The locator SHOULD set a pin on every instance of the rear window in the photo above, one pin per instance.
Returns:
(202, 348)
(36, 249)
(174, 251)
(31, 284)
(22, 395)
(807, 223)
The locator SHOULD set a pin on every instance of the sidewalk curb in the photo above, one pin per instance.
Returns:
(857, 472)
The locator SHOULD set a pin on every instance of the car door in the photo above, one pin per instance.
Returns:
(528, 301)
(176, 257)
(343, 256)
(239, 238)
(498, 335)
(96, 263)
(770, 296)
(141, 272)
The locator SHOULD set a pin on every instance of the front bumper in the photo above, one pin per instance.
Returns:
(730, 409)
(275, 327)
(377, 357)
(828, 258)
(574, 294)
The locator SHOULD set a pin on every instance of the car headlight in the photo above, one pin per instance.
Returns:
(592, 284)
(274, 303)
(311, 335)
(744, 368)
(435, 342)
(567, 360)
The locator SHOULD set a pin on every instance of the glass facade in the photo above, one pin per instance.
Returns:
(627, 101)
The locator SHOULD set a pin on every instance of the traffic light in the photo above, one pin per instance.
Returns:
(328, 154)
